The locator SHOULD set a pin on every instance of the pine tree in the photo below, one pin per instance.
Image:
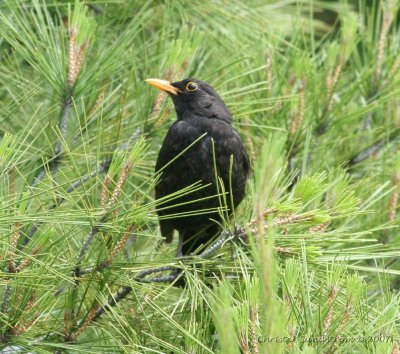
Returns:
(309, 263)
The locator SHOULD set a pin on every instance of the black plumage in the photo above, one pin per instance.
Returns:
(200, 111)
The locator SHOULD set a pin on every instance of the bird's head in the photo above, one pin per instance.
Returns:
(194, 98)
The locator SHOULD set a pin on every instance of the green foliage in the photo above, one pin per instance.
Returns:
(315, 268)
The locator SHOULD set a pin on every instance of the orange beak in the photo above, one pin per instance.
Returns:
(163, 86)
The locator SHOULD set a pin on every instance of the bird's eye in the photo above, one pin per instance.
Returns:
(191, 86)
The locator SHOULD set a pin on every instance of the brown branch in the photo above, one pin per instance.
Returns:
(386, 23)
(22, 326)
(244, 346)
(117, 248)
(328, 319)
(95, 229)
(104, 191)
(253, 331)
(331, 82)
(395, 349)
(392, 72)
(27, 261)
(346, 318)
(13, 245)
(319, 228)
(117, 190)
(89, 319)
(292, 219)
(99, 102)
(283, 250)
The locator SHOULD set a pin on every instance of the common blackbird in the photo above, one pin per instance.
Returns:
(205, 122)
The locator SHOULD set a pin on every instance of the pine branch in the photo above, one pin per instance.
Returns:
(140, 277)
(119, 296)
(96, 8)
(372, 149)
(103, 168)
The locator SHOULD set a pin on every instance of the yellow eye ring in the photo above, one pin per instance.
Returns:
(191, 86)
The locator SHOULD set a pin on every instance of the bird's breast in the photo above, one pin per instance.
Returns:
(204, 144)
(200, 150)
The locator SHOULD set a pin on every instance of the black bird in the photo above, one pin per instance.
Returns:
(204, 121)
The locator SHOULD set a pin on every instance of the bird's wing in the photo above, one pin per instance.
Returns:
(165, 155)
(180, 135)
(166, 152)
